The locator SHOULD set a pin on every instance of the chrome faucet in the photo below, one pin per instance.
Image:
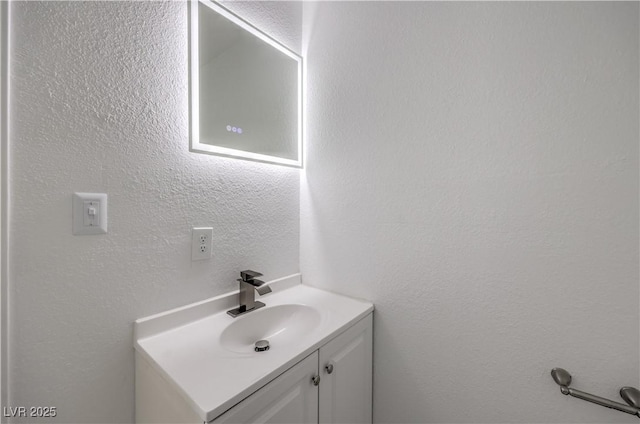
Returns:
(247, 296)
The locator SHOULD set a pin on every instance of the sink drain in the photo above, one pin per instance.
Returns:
(261, 345)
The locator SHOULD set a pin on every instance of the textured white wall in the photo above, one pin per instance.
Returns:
(99, 104)
(472, 168)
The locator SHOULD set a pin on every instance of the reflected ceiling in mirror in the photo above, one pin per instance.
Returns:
(245, 89)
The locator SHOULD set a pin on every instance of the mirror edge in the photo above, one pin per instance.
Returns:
(193, 85)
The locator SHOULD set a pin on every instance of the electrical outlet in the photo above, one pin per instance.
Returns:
(201, 243)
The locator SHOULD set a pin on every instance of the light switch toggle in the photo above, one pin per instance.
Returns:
(89, 213)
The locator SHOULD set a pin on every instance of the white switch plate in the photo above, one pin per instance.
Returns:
(201, 243)
(89, 213)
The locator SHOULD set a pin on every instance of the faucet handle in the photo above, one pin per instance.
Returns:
(249, 275)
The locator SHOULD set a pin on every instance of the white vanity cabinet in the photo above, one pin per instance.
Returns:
(332, 385)
(197, 364)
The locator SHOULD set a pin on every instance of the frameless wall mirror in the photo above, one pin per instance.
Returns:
(245, 88)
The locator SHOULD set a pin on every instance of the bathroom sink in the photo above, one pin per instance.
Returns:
(280, 325)
(209, 357)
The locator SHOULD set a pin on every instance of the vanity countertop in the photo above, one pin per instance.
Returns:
(190, 346)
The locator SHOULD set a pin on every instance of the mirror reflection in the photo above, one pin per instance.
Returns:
(245, 89)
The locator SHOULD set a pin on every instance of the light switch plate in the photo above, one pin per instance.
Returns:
(89, 213)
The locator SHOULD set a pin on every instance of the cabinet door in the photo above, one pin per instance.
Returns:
(290, 398)
(346, 365)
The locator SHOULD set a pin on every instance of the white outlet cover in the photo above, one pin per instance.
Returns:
(201, 243)
(89, 211)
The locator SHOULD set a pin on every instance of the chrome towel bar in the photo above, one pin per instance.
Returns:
(630, 395)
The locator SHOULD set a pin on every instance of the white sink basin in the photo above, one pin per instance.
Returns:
(281, 325)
